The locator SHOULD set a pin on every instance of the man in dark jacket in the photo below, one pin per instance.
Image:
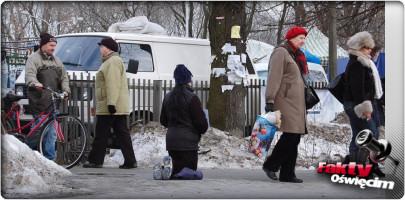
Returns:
(185, 119)
(43, 68)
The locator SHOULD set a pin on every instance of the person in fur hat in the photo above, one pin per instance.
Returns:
(360, 91)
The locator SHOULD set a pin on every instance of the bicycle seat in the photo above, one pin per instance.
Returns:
(13, 97)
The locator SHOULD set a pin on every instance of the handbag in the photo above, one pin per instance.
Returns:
(311, 98)
(337, 87)
(112, 141)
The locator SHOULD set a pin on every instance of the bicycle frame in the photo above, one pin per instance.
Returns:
(54, 112)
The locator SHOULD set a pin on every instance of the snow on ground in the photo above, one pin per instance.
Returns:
(150, 147)
(27, 171)
(325, 142)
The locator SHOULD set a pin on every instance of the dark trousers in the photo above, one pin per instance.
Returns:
(103, 129)
(357, 124)
(183, 159)
(284, 155)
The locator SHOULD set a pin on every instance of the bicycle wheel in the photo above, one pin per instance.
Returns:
(7, 124)
(70, 145)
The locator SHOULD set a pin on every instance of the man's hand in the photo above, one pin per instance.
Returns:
(111, 109)
(269, 107)
(66, 96)
(38, 86)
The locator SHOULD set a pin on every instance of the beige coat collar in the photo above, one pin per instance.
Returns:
(110, 55)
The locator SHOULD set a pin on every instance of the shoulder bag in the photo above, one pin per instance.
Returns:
(311, 98)
(337, 87)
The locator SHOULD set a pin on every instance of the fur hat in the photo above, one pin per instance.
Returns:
(109, 43)
(182, 75)
(359, 40)
(295, 31)
(46, 37)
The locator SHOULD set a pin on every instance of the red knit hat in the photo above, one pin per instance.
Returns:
(295, 31)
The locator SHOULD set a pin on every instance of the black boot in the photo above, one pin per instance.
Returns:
(353, 157)
(362, 158)
(346, 160)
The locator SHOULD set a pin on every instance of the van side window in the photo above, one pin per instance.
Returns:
(140, 52)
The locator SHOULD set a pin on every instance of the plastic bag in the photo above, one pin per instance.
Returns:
(263, 133)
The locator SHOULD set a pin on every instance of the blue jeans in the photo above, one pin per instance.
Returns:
(357, 124)
(49, 138)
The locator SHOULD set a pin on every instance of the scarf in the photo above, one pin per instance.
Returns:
(377, 81)
(367, 62)
(300, 59)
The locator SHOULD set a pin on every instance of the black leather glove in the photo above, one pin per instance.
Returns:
(111, 109)
(269, 107)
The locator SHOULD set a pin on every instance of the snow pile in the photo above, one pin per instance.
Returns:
(227, 151)
(325, 142)
(27, 171)
(149, 145)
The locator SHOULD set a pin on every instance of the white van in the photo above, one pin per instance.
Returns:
(157, 57)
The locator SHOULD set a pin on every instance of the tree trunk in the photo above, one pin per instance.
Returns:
(226, 109)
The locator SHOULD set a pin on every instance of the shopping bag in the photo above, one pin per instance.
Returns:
(263, 133)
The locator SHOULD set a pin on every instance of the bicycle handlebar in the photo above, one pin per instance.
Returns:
(60, 96)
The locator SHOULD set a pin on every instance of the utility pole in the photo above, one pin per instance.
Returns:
(332, 41)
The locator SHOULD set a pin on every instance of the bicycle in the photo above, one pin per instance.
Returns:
(71, 134)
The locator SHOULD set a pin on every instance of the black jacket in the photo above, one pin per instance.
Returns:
(186, 124)
(359, 81)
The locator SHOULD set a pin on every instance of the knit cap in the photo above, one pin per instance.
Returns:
(182, 75)
(295, 31)
(46, 37)
(109, 43)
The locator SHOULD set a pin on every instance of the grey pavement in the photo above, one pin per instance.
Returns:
(106, 183)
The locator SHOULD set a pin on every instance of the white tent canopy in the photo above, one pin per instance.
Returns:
(259, 52)
(318, 44)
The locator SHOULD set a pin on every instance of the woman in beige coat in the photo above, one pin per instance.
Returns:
(285, 92)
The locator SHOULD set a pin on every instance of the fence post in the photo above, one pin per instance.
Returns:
(157, 98)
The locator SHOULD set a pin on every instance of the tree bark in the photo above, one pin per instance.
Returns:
(226, 109)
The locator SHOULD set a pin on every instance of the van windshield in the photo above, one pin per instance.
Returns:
(79, 53)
